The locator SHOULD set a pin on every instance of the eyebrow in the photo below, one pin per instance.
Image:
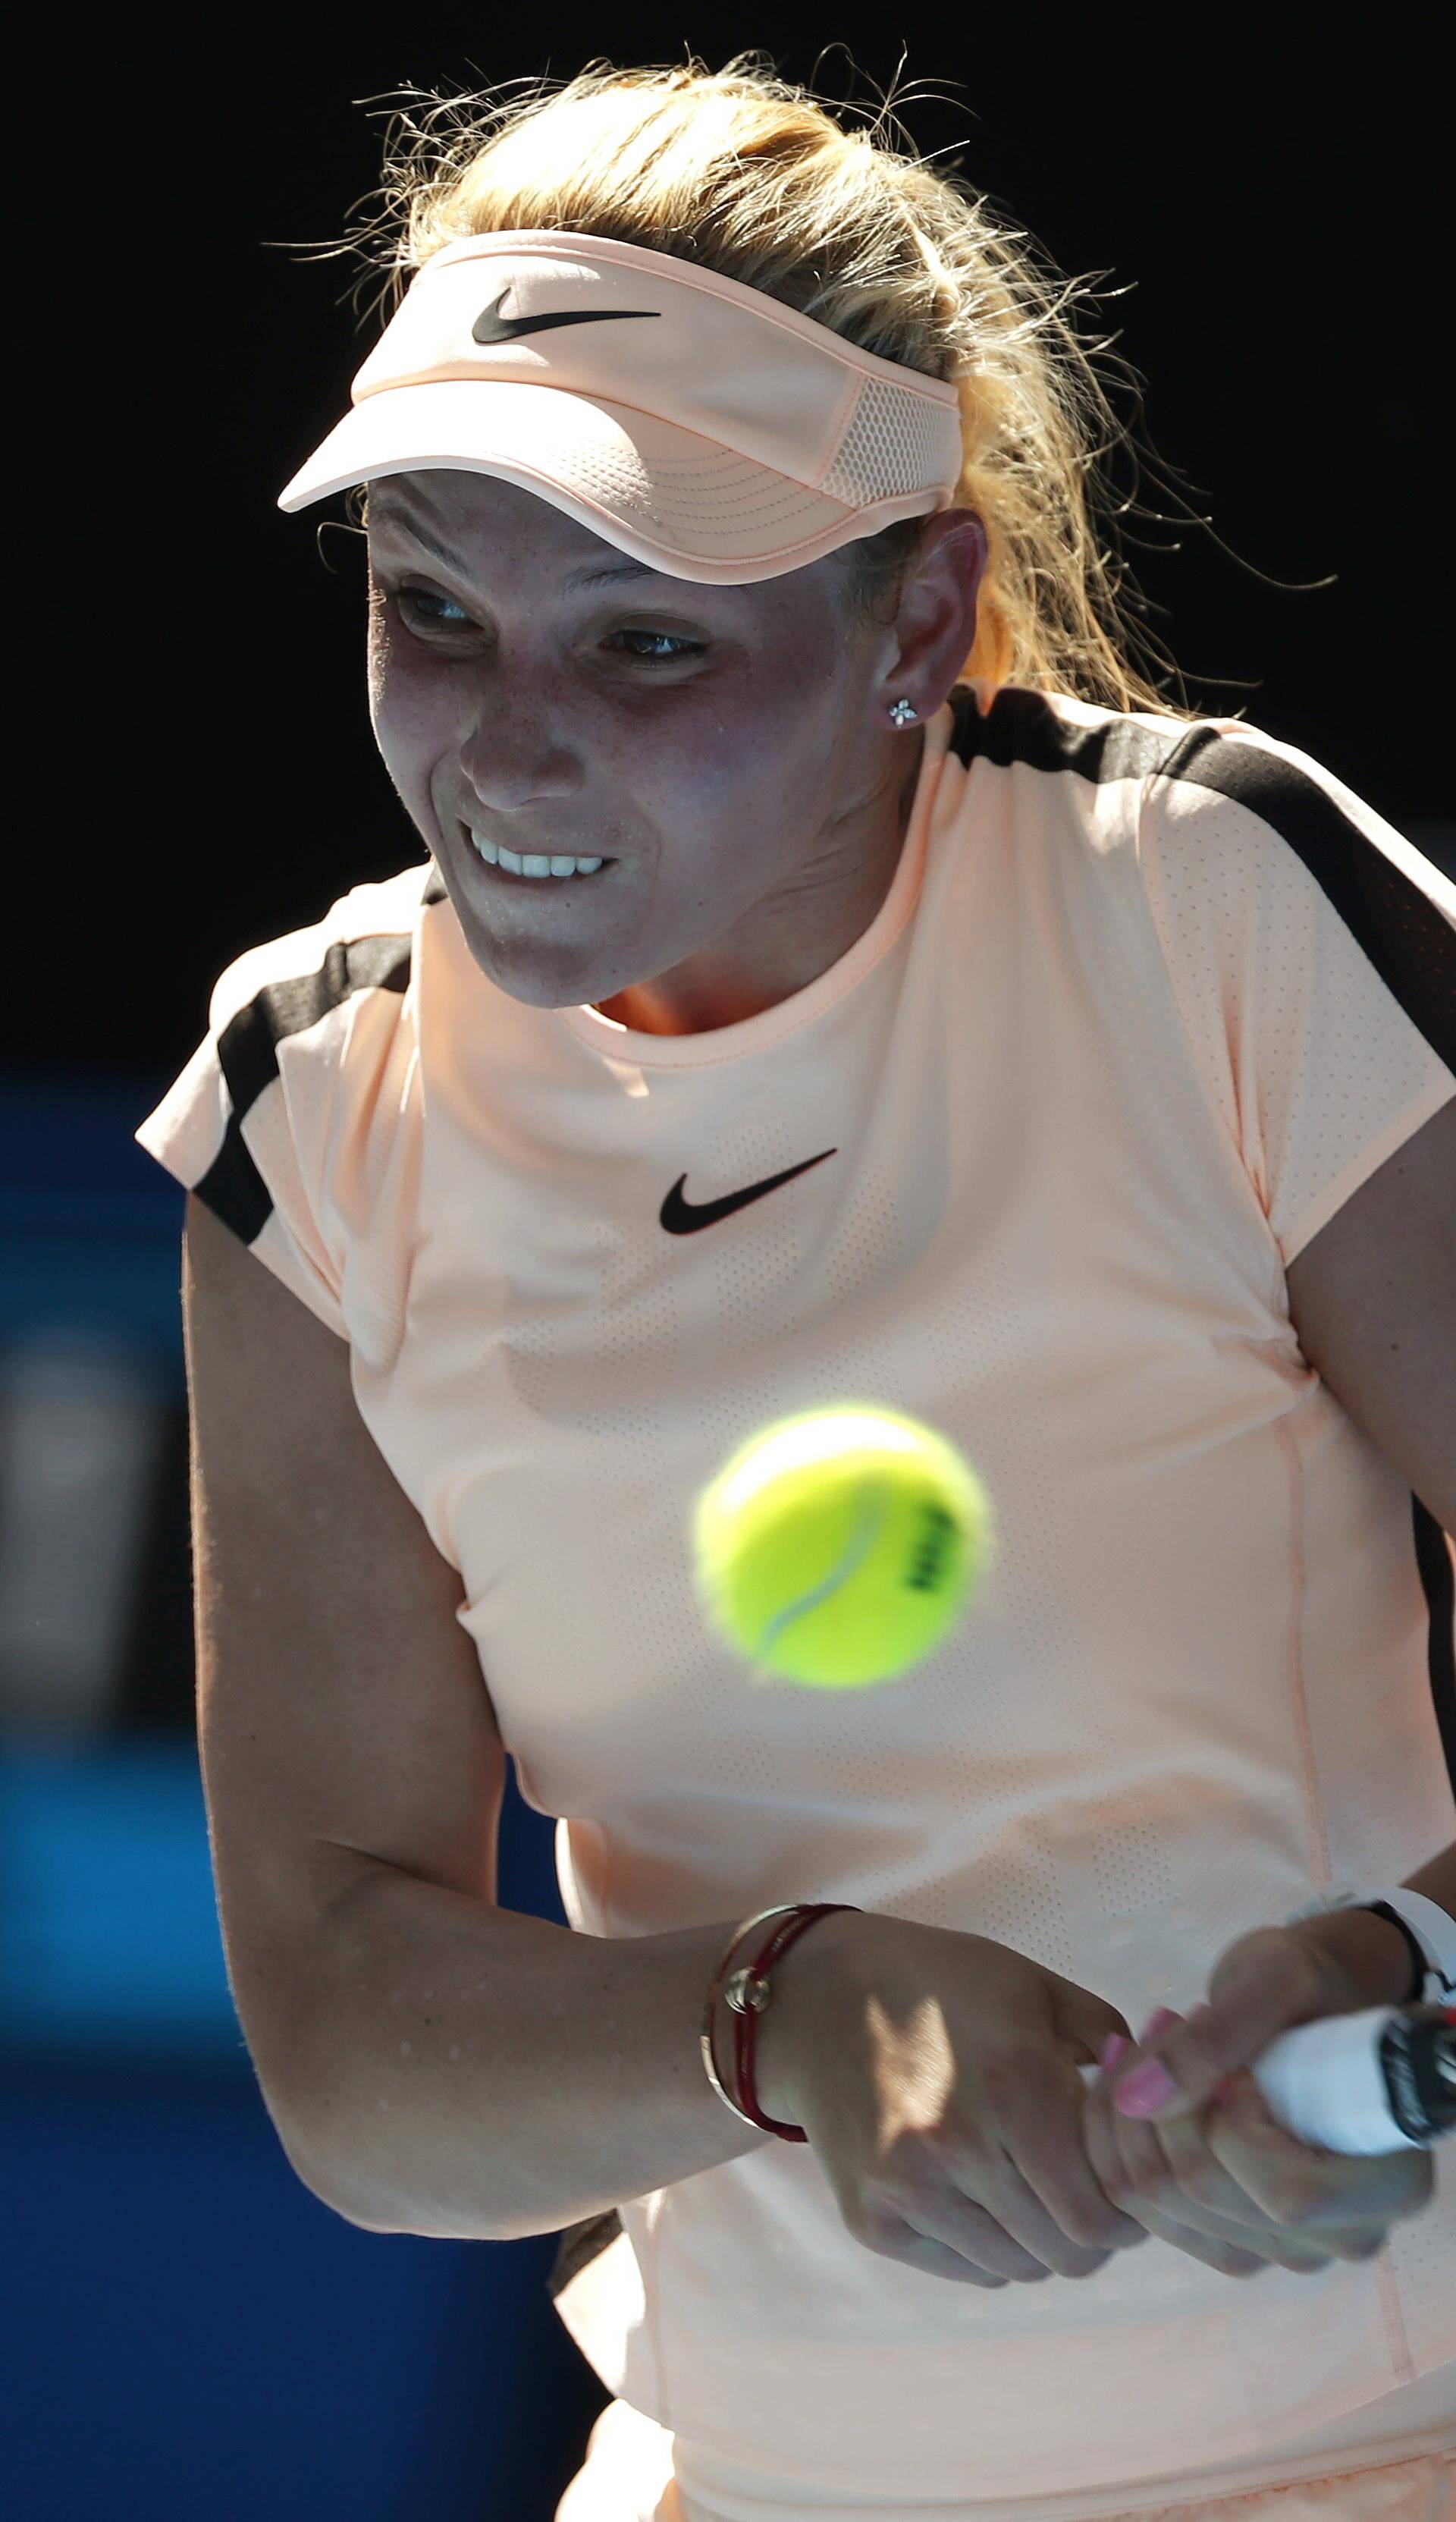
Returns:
(386, 515)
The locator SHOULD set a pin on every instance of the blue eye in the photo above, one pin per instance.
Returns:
(421, 595)
(682, 647)
(661, 640)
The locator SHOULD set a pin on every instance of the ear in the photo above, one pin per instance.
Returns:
(934, 629)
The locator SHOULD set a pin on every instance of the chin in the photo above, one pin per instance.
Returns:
(524, 975)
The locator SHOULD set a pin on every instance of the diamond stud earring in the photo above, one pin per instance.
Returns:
(902, 713)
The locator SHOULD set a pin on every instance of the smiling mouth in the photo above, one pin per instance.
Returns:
(557, 867)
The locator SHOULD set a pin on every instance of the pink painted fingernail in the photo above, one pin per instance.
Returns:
(1145, 2091)
(1112, 2051)
(1162, 2021)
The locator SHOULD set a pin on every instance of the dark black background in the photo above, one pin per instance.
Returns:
(1271, 193)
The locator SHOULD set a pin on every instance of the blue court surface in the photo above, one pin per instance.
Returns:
(187, 2331)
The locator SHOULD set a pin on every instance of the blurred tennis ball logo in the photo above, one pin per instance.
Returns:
(838, 1547)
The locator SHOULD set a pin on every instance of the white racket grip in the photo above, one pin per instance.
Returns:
(1324, 2084)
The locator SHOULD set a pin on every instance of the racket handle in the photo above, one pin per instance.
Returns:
(1365, 2083)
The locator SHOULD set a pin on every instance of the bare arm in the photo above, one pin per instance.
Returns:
(483, 2075)
(1372, 1302)
(431, 2062)
(491, 2074)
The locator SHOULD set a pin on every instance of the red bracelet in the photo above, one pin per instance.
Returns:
(747, 1991)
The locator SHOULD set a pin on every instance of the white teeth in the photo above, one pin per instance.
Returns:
(495, 856)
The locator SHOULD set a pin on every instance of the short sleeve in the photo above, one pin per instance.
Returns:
(1311, 950)
(246, 1126)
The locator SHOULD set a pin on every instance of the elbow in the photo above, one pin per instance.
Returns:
(331, 2194)
(325, 2185)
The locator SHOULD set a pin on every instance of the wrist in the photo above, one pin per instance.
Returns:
(787, 2021)
(1371, 1953)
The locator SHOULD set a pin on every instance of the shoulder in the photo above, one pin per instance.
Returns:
(1212, 781)
(1187, 771)
(1270, 847)
(295, 1023)
(288, 984)
(1223, 778)
(1011, 725)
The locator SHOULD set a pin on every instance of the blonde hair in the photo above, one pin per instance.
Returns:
(751, 175)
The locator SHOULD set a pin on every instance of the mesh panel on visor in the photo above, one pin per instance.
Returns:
(893, 432)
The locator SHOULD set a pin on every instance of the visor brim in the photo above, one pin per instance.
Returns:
(673, 501)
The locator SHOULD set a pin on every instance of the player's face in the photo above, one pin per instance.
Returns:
(727, 748)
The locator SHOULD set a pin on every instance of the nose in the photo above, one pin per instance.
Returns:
(516, 760)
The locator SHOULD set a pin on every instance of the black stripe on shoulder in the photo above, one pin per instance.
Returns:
(1392, 920)
(248, 1054)
(1023, 725)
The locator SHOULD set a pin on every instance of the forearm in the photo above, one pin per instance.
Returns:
(482, 2075)
(1374, 1952)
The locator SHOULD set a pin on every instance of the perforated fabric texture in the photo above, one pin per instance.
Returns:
(887, 447)
(1142, 1005)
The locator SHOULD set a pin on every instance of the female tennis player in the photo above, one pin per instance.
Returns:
(834, 974)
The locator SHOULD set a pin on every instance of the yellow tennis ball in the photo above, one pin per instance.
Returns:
(838, 1547)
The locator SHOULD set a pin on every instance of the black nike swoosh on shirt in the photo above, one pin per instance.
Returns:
(493, 326)
(680, 1218)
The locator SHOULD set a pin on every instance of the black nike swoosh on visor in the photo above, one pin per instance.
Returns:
(680, 1217)
(493, 326)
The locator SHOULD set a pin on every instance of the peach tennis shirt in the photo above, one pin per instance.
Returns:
(1145, 1002)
